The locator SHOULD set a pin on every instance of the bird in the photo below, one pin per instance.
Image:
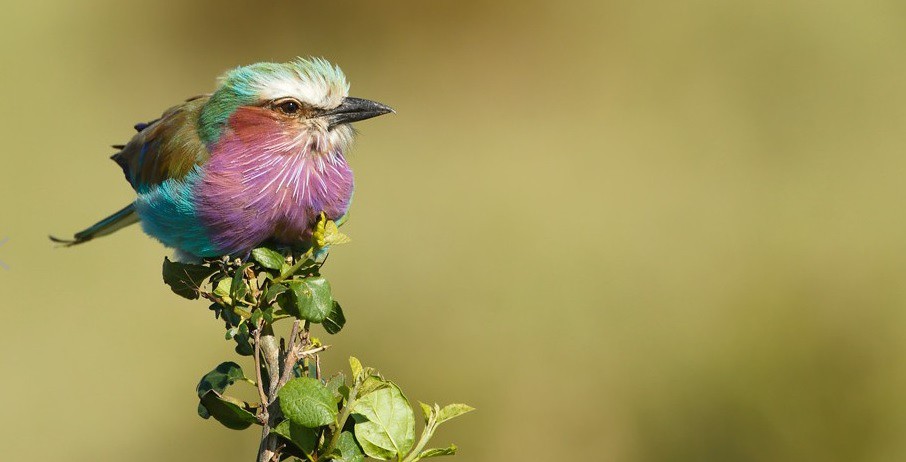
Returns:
(258, 160)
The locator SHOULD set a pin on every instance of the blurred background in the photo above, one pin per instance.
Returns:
(623, 230)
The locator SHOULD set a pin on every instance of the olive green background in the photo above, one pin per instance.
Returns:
(623, 230)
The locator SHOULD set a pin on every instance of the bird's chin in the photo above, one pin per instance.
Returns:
(317, 141)
(339, 138)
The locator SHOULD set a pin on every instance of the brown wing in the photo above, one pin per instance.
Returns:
(166, 148)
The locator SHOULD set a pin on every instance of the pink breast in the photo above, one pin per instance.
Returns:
(263, 182)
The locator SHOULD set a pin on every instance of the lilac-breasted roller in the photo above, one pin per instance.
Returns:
(257, 160)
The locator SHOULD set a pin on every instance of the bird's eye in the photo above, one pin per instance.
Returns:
(288, 106)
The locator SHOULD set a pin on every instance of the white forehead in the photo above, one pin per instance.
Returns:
(313, 81)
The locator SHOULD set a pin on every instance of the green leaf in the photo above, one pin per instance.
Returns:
(334, 384)
(220, 378)
(309, 299)
(244, 341)
(272, 292)
(303, 437)
(231, 332)
(335, 320)
(426, 410)
(308, 268)
(435, 452)
(453, 410)
(307, 402)
(217, 380)
(238, 287)
(285, 270)
(230, 318)
(327, 233)
(389, 430)
(222, 289)
(299, 370)
(268, 258)
(268, 314)
(185, 279)
(356, 367)
(371, 384)
(347, 450)
(230, 412)
(244, 312)
(255, 317)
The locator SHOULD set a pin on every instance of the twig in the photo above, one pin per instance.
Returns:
(271, 352)
(313, 351)
(291, 356)
(318, 367)
(264, 451)
(261, 395)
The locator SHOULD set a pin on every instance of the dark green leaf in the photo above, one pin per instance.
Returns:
(389, 430)
(244, 341)
(308, 299)
(303, 437)
(435, 452)
(220, 378)
(299, 370)
(231, 332)
(453, 410)
(335, 320)
(347, 450)
(268, 314)
(203, 411)
(268, 258)
(231, 412)
(185, 279)
(230, 318)
(307, 402)
(216, 308)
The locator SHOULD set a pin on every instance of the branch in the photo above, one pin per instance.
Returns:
(291, 357)
(265, 454)
(267, 343)
(261, 395)
(313, 351)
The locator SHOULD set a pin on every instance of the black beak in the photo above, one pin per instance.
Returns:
(354, 110)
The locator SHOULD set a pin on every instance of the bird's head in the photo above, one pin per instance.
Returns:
(302, 103)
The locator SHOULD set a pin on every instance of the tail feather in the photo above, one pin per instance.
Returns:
(113, 223)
